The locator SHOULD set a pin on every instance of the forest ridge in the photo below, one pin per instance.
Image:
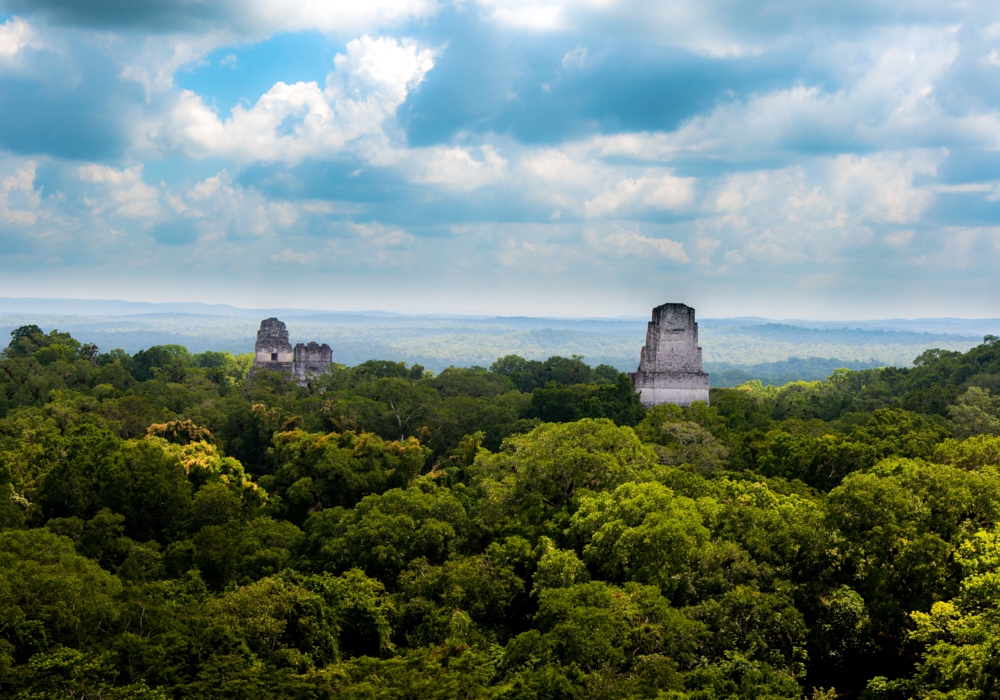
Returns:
(735, 350)
(170, 528)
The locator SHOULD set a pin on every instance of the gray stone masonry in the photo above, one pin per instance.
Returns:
(273, 351)
(670, 369)
(311, 360)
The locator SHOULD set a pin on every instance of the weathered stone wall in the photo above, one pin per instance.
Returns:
(670, 369)
(273, 351)
(311, 360)
(272, 339)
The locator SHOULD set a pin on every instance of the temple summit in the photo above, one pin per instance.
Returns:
(274, 351)
(670, 369)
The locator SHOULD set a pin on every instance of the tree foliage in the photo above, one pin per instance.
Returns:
(172, 528)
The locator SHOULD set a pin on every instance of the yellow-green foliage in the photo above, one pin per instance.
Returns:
(171, 529)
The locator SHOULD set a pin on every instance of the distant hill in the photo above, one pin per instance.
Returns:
(734, 349)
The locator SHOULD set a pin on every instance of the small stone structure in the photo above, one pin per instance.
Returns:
(274, 351)
(311, 360)
(670, 369)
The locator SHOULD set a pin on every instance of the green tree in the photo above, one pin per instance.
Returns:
(961, 637)
(317, 471)
(383, 533)
(642, 532)
(50, 595)
(975, 412)
(554, 460)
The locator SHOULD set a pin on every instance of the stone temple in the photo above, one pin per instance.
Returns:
(670, 368)
(273, 351)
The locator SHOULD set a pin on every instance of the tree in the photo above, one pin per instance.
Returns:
(961, 637)
(383, 533)
(50, 595)
(975, 412)
(317, 471)
(681, 441)
(903, 522)
(642, 532)
(554, 460)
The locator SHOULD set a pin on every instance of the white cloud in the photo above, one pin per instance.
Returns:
(706, 247)
(632, 243)
(739, 191)
(19, 201)
(665, 192)
(576, 58)
(154, 65)
(15, 34)
(454, 167)
(899, 239)
(227, 23)
(371, 244)
(881, 187)
(816, 210)
(227, 209)
(527, 14)
(962, 248)
(332, 16)
(298, 257)
(891, 103)
(354, 114)
(124, 192)
(717, 28)
(563, 166)
(694, 25)
(377, 235)
(291, 123)
(215, 207)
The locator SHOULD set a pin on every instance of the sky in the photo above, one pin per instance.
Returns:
(826, 160)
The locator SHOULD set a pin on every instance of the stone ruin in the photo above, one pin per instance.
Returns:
(670, 368)
(273, 351)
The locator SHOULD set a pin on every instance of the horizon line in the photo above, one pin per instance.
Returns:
(243, 310)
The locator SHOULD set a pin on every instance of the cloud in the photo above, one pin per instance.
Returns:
(19, 201)
(353, 116)
(15, 34)
(376, 235)
(125, 194)
(454, 167)
(370, 246)
(664, 192)
(297, 257)
(899, 239)
(717, 28)
(962, 248)
(159, 59)
(623, 242)
(890, 102)
(247, 18)
(565, 166)
(816, 211)
(575, 58)
(726, 148)
(706, 247)
(291, 123)
(226, 210)
(882, 187)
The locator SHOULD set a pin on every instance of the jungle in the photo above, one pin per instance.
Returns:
(172, 526)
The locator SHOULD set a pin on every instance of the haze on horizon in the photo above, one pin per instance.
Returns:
(818, 161)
